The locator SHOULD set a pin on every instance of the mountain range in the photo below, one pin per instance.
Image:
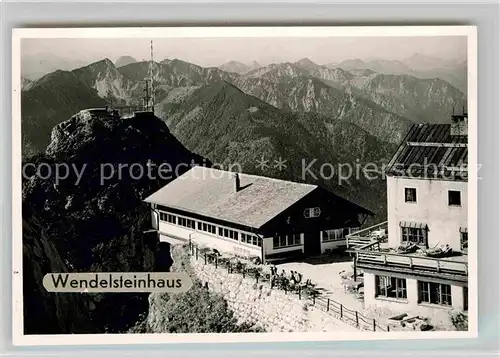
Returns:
(417, 65)
(34, 67)
(293, 110)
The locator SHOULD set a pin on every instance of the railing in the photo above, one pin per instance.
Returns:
(411, 261)
(308, 294)
(364, 236)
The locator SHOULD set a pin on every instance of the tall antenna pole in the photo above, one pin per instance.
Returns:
(151, 64)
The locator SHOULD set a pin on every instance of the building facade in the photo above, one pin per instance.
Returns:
(252, 216)
(422, 265)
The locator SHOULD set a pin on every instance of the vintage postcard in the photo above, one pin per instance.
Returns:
(244, 184)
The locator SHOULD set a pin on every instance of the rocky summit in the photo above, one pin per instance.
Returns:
(90, 217)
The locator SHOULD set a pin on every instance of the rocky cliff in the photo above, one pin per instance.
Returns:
(93, 216)
(197, 311)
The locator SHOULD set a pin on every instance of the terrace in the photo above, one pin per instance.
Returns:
(371, 251)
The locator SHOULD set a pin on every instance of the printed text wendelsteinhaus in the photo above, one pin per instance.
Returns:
(173, 282)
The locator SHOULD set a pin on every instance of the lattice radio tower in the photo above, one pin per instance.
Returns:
(149, 90)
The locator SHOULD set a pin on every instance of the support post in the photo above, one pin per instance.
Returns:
(327, 305)
(341, 310)
(374, 325)
(205, 258)
(354, 266)
(357, 319)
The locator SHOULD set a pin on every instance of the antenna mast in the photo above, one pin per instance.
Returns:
(152, 90)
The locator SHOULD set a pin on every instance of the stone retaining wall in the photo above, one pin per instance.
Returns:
(272, 309)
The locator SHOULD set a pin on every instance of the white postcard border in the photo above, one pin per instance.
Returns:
(19, 338)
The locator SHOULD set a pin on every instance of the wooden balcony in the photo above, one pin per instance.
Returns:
(370, 255)
(366, 236)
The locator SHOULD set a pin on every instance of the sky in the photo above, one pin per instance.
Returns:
(265, 50)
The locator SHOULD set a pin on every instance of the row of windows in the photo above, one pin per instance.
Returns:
(428, 292)
(281, 241)
(418, 236)
(454, 196)
(211, 229)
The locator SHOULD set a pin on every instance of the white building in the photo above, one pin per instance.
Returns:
(426, 206)
(252, 216)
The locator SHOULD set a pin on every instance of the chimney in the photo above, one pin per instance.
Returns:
(237, 185)
(459, 124)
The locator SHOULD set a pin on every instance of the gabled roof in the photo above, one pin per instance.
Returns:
(211, 193)
(429, 151)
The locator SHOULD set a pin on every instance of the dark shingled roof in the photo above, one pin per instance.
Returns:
(210, 193)
(429, 151)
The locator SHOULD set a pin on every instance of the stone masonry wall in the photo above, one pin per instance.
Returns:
(272, 309)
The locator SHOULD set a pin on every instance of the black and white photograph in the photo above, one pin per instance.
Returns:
(234, 184)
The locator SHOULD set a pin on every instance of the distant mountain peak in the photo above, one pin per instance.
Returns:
(235, 66)
(307, 64)
(124, 60)
(255, 64)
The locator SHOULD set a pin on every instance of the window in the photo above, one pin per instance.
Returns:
(251, 239)
(187, 223)
(207, 228)
(466, 298)
(333, 235)
(410, 195)
(436, 293)
(254, 241)
(454, 198)
(417, 236)
(294, 239)
(281, 241)
(171, 218)
(464, 241)
(392, 287)
(312, 212)
(234, 235)
(221, 232)
(167, 218)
